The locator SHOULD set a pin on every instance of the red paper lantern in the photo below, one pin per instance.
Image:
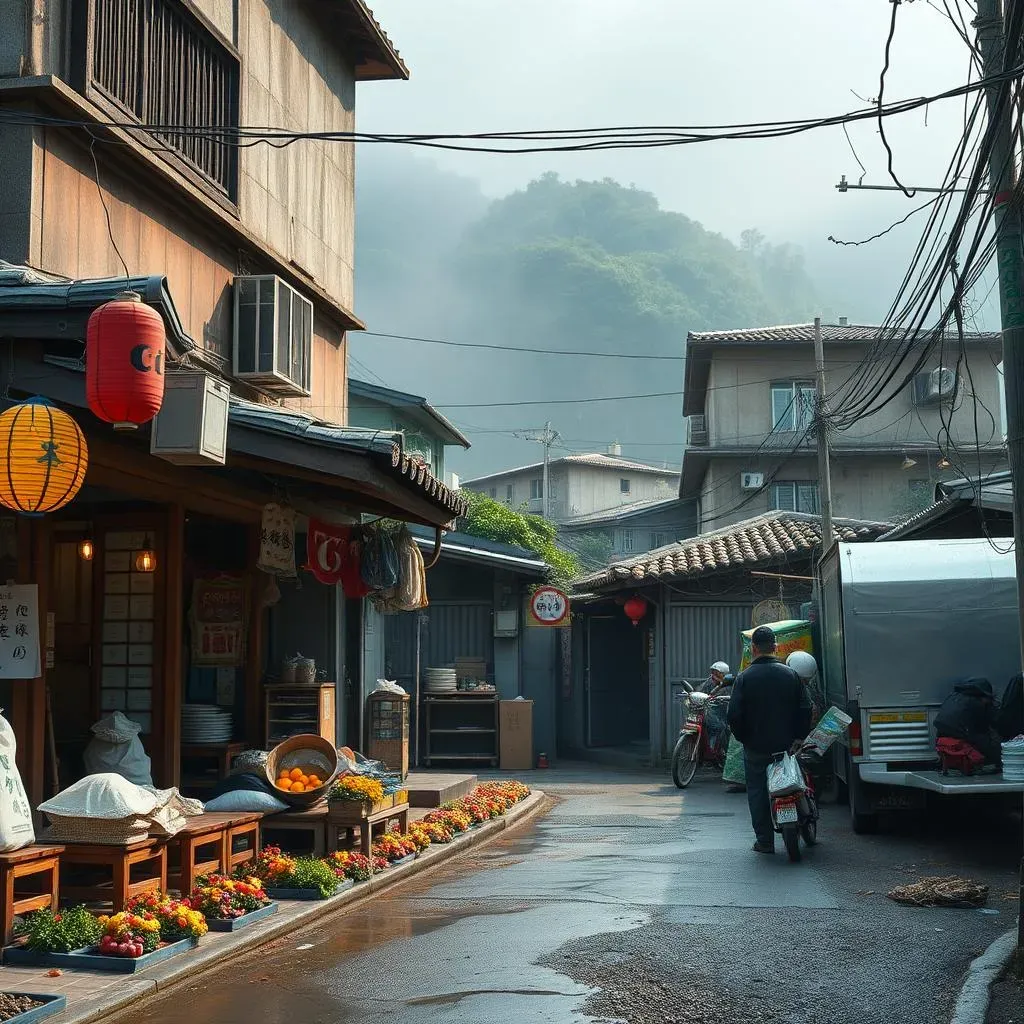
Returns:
(124, 362)
(635, 609)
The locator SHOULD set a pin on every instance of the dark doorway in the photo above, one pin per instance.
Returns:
(617, 706)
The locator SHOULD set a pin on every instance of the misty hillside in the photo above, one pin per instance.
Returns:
(594, 266)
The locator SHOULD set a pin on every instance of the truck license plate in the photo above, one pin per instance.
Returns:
(786, 814)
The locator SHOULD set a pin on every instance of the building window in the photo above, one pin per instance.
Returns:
(509, 493)
(627, 540)
(624, 486)
(659, 540)
(792, 405)
(795, 496)
(494, 493)
(536, 489)
(157, 63)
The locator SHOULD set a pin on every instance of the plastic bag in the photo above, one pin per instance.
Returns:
(832, 725)
(785, 777)
(16, 828)
(380, 566)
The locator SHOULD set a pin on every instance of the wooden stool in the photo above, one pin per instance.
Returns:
(206, 845)
(120, 860)
(246, 828)
(42, 862)
(377, 822)
(312, 820)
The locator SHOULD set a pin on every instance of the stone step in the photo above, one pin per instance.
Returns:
(431, 789)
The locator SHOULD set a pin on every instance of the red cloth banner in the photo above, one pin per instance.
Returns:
(334, 555)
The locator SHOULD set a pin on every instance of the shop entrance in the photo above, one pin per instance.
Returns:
(617, 704)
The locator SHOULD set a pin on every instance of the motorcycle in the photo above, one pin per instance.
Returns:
(697, 743)
(795, 816)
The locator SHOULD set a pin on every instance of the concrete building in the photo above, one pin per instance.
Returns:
(623, 532)
(425, 431)
(749, 400)
(579, 485)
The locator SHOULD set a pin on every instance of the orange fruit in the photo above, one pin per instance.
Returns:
(295, 774)
(285, 784)
(314, 782)
(298, 787)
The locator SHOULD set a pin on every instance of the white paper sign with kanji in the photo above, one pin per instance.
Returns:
(277, 541)
(19, 632)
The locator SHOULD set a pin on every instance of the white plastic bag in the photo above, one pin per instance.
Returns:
(16, 828)
(785, 777)
(116, 747)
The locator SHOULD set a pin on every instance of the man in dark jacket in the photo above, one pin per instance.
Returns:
(770, 710)
(969, 713)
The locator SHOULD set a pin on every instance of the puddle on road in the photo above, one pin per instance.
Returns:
(420, 954)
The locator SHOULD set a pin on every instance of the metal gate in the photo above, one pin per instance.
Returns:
(451, 629)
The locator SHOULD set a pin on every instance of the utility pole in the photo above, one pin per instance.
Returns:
(547, 437)
(1010, 265)
(821, 424)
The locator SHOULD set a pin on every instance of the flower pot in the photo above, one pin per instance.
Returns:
(91, 959)
(306, 894)
(234, 924)
(51, 1005)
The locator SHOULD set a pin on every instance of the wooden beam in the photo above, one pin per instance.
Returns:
(35, 781)
(254, 649)
(173, 670)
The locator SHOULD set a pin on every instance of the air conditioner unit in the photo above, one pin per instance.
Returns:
(273, 335)
(751, 481)
(934, 386)
(698, 431)
(191, 428)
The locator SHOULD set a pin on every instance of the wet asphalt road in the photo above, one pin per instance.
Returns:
(632, 902)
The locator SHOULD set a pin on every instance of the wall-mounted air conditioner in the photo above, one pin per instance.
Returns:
(273, 333)
(934, 386)
(698, 431)
(191, 428)
(751, 481)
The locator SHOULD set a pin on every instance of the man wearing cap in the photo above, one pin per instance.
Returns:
(768, 713)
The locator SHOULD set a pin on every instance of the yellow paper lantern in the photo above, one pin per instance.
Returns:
(43, 457)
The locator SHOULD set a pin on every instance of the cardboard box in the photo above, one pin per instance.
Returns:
(515, 735)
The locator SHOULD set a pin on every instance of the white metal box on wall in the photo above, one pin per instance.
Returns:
(191, 428)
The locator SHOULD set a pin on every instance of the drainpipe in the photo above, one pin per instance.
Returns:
(38, 14)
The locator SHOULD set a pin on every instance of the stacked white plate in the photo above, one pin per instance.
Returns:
(203, 724)
(440, 680)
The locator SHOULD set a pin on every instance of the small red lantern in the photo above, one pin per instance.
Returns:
(124, 363)
(635, 609)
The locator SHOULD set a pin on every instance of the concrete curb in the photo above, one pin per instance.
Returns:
(976, 993)
(203, 958)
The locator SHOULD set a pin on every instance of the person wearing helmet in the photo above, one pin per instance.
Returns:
(806, 667)
(719, 670)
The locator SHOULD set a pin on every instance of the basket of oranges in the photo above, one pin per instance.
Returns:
(301, 769)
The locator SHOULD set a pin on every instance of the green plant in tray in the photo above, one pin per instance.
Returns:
(61, 932)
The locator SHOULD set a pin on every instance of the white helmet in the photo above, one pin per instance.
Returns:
(803, 664)
(720, 666)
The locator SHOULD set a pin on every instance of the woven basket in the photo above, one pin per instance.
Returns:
(306, 751)
(105, 831)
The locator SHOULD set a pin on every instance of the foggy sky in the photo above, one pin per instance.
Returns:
(518, 64)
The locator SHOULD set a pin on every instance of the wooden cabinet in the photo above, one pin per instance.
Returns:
(293, 710)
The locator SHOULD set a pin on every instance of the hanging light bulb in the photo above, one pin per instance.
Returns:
(86, 550)
(943, 463)
(145, 560)
(908, 462)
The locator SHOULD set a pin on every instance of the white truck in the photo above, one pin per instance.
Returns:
(901, 623)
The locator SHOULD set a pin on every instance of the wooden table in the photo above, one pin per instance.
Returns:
(148, 856)
(42, 862)
(376, 822)
(222, 753)
(311, 819)
(207, 844)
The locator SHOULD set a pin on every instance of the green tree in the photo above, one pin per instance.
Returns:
(496, 521)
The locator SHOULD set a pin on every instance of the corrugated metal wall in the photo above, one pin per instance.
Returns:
(451, 630)
(701, 634)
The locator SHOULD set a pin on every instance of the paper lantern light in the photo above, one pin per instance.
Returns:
(635, 609)
(125, 345)
(43, 457)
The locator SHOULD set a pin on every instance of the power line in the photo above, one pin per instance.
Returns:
(522, 348)
(559, 401)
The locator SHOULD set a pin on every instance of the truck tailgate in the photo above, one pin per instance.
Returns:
(936, 782)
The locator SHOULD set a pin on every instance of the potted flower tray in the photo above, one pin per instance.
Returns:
(48, 1006)
(90, 958)
(307, 894)
(354, 812)
(233, 924)
(407, 859)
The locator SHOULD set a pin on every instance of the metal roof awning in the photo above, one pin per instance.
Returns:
(465, 548)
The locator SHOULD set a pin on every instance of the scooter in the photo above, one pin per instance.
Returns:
(795, 816)
(697, 744)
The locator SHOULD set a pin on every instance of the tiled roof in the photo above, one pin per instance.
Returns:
(626, 511)
(787, 333)
(775, 537)
(597, 459)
